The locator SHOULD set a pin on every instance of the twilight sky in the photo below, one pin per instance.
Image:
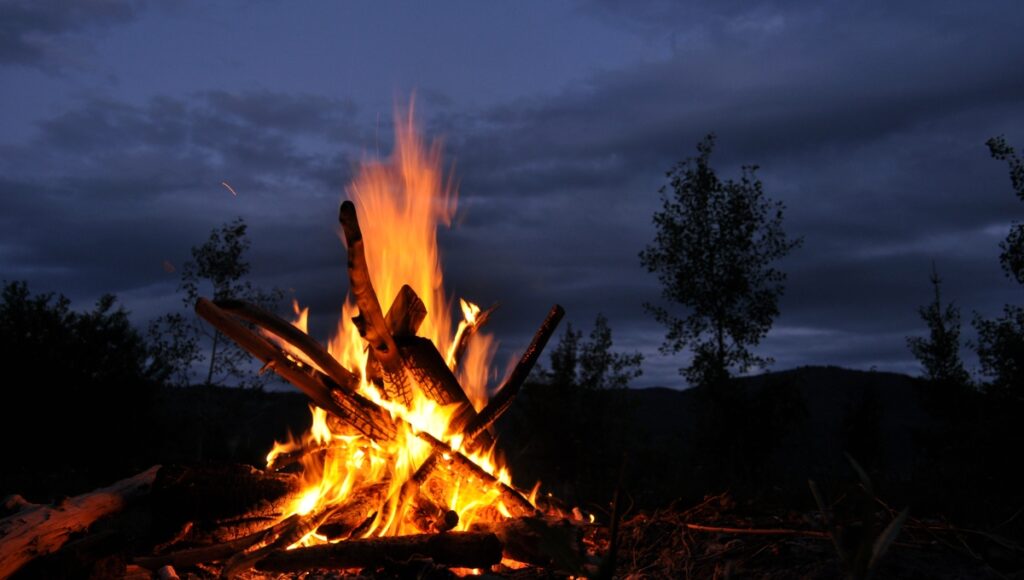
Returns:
(121, 118)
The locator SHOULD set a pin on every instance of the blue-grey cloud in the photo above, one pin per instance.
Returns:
(868, 123)
(48, 34)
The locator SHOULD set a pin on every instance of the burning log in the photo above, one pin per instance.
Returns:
(350, 516)
(461, 466)
(217, 552)
(406, 313)
(456, 549)
(462, 344)
(37, 530)
(474, 428)
(370, 322)
(298, 528)
(295, 337)
(427, 369)
(497, 406)
(354, 409)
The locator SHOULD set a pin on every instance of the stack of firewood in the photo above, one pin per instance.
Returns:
(232, 540)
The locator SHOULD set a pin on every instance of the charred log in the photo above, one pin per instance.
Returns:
(219, 503)
(216, 552)
(370, 322)
(406, 313)
(313, 351)
(350, 516)
(503, 399)
(363, 415)
(463, 343)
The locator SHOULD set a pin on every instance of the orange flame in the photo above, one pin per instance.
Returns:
(400, 202)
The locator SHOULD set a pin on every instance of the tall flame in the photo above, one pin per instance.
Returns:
(400, 202)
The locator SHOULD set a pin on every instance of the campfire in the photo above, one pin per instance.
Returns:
(400, 462)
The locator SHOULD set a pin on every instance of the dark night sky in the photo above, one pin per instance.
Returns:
(120, 119)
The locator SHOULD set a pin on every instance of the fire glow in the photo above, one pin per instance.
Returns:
(401, 201)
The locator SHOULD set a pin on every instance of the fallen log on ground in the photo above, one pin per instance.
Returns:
(539, 541)
(37, 530)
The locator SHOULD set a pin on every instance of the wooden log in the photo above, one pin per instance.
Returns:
(219, 503)
(455, 549)
(36, 530)
(362, 504)
(467, 334)
(462, 467)
(404, 318)
(216, 552)
(371, 323)
(539, 541)
(301, 341)
(406, 313)
(300, 527)
(363, 415)
(500, 403)
(428, 370)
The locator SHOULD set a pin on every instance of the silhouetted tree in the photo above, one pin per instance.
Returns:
(218, 269)
(1000, 342)
(574, 418)
(565, 359)
(1000, 349)
(1012, 256)
(592, 364)
(174, 340)
(713, 252)
(71, 378)
(939, 353)
(600, 367)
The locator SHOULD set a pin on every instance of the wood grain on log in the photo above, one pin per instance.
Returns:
(372, 325)
(455, 549)
(370, 420)
(360, 505)
(286, 331)
(37, 530)
(406, 313)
